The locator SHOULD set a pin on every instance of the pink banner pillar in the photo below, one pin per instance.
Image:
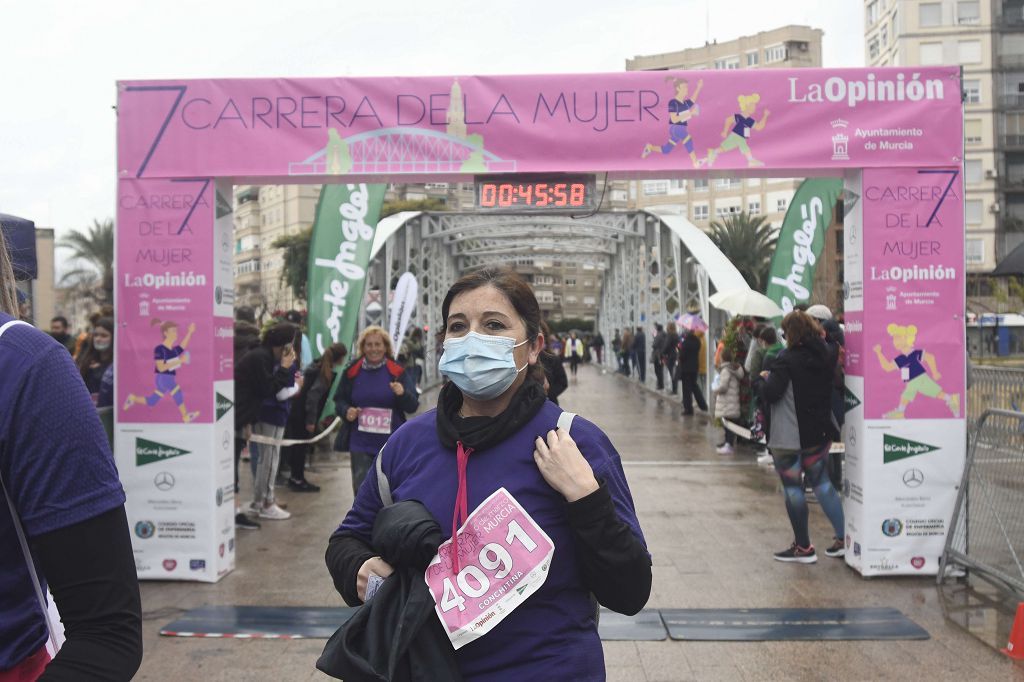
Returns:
(174, 392)
(905, 431)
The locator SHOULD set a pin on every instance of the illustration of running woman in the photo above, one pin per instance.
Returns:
(911, 362)
(741, 125)
(169, 357)
(681, 109)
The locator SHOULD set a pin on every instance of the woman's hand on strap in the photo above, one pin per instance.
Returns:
(563, 466)
(374, 565)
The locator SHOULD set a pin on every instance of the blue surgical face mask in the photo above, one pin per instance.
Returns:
(483, 367)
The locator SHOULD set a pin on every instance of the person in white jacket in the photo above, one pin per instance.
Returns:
(727, 397)
(574, 351)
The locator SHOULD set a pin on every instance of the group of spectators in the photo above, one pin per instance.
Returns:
(284, 396)
(93, 352)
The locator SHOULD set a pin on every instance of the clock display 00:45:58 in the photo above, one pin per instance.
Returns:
(533, 194)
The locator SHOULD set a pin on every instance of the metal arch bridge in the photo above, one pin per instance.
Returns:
(653, 266)
(391, 151)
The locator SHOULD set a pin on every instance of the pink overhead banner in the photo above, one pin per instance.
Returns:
(628, 124)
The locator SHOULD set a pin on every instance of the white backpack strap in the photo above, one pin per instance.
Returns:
(565, 420)
(22, 540)
(383, 485)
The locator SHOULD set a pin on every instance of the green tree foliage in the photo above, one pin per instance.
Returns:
(432, 204)
(295, 255)
(749, 242)
(93, 251)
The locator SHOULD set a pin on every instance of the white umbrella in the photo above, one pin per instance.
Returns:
(745, 302)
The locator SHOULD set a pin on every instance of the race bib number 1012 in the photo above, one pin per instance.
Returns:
(504, 557)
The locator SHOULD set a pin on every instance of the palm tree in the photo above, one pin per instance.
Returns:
(749, 242)
(94, 250)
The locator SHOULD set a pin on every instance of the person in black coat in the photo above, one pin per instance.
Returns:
(639, 356)
(657, 350)
(555, 378)
(687, 367)
(798, 388)
(669, 355)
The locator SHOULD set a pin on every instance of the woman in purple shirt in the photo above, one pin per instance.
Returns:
(373, 398)
(564, 533)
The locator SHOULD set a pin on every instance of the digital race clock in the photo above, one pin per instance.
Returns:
(536, 193)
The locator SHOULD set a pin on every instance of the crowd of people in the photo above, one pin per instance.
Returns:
(781, 388)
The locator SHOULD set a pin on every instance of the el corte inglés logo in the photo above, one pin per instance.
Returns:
(223, 406)
(895, 448)
(850, 399)
(147, 452)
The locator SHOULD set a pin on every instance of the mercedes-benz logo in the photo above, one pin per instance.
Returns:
(852, 436)
(912, 478)
(164, 481)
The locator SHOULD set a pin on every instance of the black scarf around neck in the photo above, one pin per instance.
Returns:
(480, 433)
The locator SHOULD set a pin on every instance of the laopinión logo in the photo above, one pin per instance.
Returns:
(892, 527)
(895, 448)
(145, 529)
(148, 451)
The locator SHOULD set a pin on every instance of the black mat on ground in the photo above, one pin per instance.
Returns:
(645, 626)
(259, 621)
(789, 624)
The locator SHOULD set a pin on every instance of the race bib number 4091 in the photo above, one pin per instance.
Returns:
(504, 557)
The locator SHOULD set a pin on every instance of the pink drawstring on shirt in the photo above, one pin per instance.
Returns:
(461, 512)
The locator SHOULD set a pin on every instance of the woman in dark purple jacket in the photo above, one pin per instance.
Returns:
(545, 521)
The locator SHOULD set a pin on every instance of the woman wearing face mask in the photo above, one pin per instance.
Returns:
(521, 481)
(97, 356)
(373, 398)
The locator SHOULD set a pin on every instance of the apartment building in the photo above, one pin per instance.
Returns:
(986, 38)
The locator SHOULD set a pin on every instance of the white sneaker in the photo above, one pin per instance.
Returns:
(274, 513)
(724, 449)
(765, 458)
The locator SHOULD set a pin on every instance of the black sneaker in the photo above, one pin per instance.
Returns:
(302, 486)
(797, 555)
(837, 550)
(244, 522)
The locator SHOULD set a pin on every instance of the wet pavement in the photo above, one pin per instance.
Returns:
(711, 524)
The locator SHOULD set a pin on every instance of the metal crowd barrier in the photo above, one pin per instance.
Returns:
(986, 536)
(1000, 388)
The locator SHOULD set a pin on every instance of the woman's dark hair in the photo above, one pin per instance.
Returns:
(89, 354)
(727, 354)
(769, 336)
(334, 354)
(798, 327)
(505, 280)
(281, 334)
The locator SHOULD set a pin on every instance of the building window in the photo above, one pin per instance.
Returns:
(722, 211)
(974, 251)
(972, 91)
(930, 54)
(726, 183)
(780, 205)
(700, 212)
(969, 51)
(972, 131)
(972, 211)
(754, 207)
(589, 300)
(728, 63)
(968, 12)
(972, 171)
(700, 184)
(929, 14)
(872, 12)
(883, 37)
(570, 281)
(654, 187)
(873, 48)
(752, 58)
(775, 53)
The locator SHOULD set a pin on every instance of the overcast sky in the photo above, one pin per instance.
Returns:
(60, 61)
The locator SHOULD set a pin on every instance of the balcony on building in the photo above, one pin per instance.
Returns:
(244, 195)
(1013, 13)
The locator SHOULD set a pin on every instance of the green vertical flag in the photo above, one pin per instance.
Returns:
(346, 222)
(801, 241)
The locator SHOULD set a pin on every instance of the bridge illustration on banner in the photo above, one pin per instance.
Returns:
(401, 150)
